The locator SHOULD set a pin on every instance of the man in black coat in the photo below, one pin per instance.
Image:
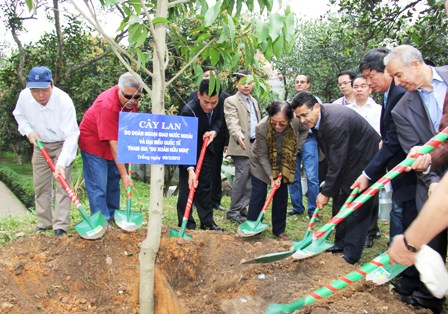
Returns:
(390, 154)
(220, 142)
(417, 116)
(349, 143)
(209, 124)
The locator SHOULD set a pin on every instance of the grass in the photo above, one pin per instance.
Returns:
(14, 227)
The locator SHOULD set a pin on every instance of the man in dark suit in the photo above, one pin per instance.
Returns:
(390, 154)
(219, 143)
(349, 143)
(209, 124)
(417, 117)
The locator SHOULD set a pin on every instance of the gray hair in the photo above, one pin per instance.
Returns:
(405, 53)
(128, 80)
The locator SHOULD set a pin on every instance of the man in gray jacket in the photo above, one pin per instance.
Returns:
(242, 115)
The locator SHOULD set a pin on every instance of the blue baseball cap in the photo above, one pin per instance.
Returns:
(39, 77)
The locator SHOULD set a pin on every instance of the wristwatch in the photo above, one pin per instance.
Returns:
(410, 247)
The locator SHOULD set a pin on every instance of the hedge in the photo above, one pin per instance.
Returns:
(22, 188)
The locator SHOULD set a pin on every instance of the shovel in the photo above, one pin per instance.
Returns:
(90, 228)
(251, 228)
(181, 233)
(378, 270)
(307, 239)
(316, 245)
(127, 219)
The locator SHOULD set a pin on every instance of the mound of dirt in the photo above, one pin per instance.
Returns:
(44, 274)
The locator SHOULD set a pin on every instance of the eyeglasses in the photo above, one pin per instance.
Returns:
(344, 83)
(281, 124)
(129, 97)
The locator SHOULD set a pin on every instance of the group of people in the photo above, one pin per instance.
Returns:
(46, 113)
(349, 143)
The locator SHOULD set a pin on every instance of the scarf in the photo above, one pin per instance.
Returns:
(289, 152)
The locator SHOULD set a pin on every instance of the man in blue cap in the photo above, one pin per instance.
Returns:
(46, 113)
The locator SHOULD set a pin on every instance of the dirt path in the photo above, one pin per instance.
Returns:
(10, 205)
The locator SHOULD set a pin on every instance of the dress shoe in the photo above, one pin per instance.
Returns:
(59, 232)
(335, 249)
(238, 220)
(40, 229)
(377, 235)
(369, 241)
(411, 300)
(400, 289)
(283, 236)
(213, 227)
(293, 212)
(219, 207)
(244, 212)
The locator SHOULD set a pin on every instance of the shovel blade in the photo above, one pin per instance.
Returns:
(177, 234)
(130, 224)
(92, 227)
(251, 228)
(316, 247)
(269, 258)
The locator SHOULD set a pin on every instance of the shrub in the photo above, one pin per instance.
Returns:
(22, 188)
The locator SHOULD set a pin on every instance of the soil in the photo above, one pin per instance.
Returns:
(44, 274)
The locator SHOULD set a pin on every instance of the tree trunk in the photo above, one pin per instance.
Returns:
(150, 245)
(59, 56)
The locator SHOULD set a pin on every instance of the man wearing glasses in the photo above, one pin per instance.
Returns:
(98, 142)
(345, 85)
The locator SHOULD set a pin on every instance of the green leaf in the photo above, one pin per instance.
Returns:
(275, 26)
(134, 19)
(235, 60)
(142, 37)
(212, 13)
(214, 56)
(30, 5)
(231, 26)
(250, 5)
(278, 47)
(263, 31)
(239, 5)
(289, 25)
(160, 20)
(137, 34)
(203, 37)
(224, 35)
(137, 6)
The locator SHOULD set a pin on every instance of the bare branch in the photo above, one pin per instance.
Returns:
(86, 63)
(118, 50)
(189, 63)
(174, 3)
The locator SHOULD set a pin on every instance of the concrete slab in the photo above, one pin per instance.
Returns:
(9, 203)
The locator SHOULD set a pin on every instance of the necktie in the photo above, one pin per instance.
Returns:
(209, 117)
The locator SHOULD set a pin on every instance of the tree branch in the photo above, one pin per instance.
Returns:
(189, 63)
(117, 49)
(86, 63)
(174, 3)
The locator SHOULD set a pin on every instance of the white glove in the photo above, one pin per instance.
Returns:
(432, 271)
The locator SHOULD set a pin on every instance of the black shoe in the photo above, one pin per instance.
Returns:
(411, 300)
(59, 232)
(219, 207)
(335, 249)
(398, 288)
(369, 241)
(40, 229)
(238, 220)
(213, 227)
(244, 212)
(377, 235)
(317, 219)
(293, 212)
